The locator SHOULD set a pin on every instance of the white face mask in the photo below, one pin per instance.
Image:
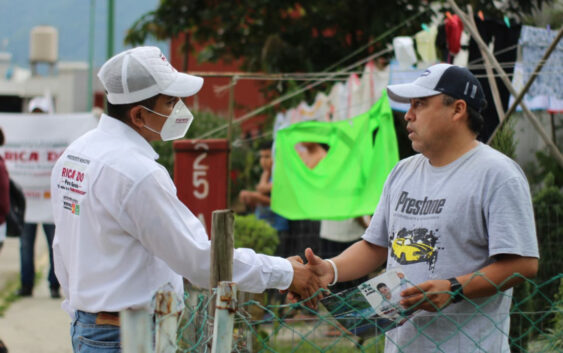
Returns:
(176, 124)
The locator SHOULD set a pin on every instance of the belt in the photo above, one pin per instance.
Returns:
(107, 318)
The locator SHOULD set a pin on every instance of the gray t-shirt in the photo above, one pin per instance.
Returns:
(442, 222)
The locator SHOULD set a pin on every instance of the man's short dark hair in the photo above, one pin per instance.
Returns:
(474, 118)
(381, 285)
(265, 145)
(121, 111)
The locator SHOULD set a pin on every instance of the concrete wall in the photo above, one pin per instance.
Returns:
(528, 141)
(68, 87)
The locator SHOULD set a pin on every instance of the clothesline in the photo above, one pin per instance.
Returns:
(239, 75)
(291, 94)
(344, 78)
(238, 141)
(308, 86)
(347, 74)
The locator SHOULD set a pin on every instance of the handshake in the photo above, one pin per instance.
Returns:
(309, 278)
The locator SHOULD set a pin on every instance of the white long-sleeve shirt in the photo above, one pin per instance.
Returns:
(121, 232)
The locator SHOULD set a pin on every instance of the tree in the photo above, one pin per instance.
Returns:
(291, 36)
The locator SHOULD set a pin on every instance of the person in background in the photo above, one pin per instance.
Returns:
(38, 105)
(4, 194)
(457, 218)
(121, 231)
(4, 208)
(305, 233)
(260, 200)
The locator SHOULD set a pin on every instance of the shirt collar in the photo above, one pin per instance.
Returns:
(116, 127)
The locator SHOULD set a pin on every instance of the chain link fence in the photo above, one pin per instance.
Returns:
(263, 323)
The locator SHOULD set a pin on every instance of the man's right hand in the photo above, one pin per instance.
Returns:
(320, 270)
(305, 283)
(320, 267)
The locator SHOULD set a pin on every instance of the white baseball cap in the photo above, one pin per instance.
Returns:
(42, 103)
(143, 72)
(455, 81)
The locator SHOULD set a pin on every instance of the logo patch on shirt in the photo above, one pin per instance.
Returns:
(75, 209)
(71, 205)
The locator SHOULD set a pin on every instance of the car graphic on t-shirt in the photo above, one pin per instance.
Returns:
(407, 251)
(417, 245)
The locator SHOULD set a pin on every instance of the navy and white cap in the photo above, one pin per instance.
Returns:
(455, 81)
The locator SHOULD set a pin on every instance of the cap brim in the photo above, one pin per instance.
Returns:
(403, 93)
(184, 86)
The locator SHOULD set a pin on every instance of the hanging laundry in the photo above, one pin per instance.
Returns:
(354, 96)
(504, 41)
(397, 76)
(319, 111)
(373, 82)
(462, 57)
(280, 122)
(454, 28)
(426, 45)
(348, 181)
(539, 101)
(404, 51)
(293, 116)
(534, 42)
(338, 102)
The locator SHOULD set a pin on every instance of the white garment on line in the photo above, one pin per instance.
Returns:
(404, 51)
(462, 58)
(338, 98)
(373, 82)
(354, 96)
(426, 45)
(398, 75)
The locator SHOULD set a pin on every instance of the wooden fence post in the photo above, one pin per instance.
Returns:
(222, 250)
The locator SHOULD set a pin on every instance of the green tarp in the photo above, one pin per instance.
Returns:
(348, 181)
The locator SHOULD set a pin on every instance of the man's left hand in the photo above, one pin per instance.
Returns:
(430, 295)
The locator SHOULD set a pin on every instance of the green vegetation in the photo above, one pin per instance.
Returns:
(255, 234)
(8, 295)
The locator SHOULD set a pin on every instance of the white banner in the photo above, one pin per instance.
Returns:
(33, 143)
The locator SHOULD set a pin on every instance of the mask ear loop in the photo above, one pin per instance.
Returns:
(157, 113)
(150, 128)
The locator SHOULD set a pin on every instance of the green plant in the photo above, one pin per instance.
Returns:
(548, 211)
(255, 234)
(546, 165)
(504, 140)
(556, 338)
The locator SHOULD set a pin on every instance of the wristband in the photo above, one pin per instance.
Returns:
(335, 280)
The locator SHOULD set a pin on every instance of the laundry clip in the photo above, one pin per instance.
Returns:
(425, 27)
(481, 16)
(449, 15)
(507, 21)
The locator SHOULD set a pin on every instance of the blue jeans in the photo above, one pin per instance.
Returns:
(27, 254)
(87, 337)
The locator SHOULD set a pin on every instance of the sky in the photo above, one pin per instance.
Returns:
(71, 18)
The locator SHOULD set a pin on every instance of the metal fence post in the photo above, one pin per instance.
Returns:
(136, 331)
(224, 318)
(167, 311)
